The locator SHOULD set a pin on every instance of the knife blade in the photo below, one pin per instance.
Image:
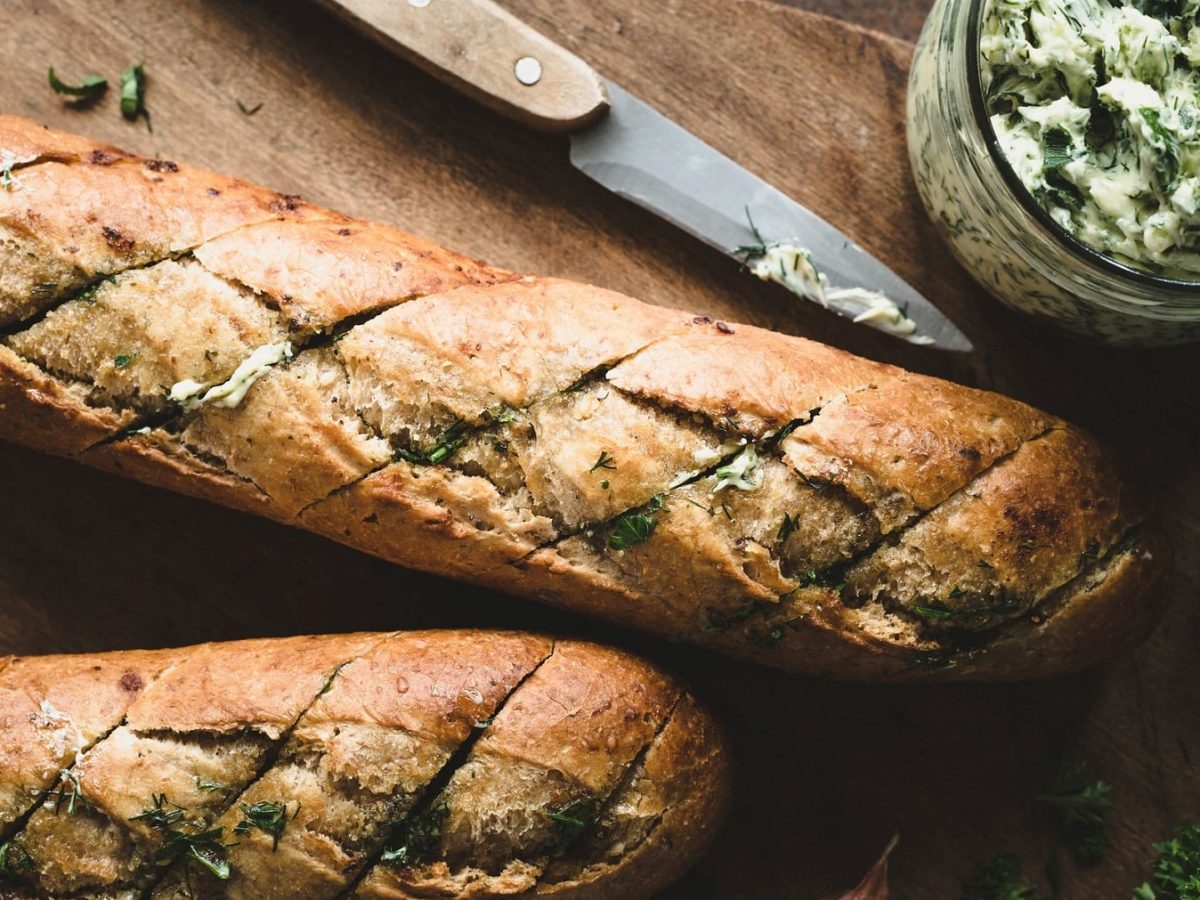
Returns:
(633, 150)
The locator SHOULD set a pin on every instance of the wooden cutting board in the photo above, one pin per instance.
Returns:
(827, 772)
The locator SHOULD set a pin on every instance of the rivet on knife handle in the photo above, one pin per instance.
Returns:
(486, 52)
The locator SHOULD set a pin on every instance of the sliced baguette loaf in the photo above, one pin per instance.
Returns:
(761, 494)
(448, 764)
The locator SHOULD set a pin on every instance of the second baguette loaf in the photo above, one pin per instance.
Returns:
(447, 764)
(711, 482)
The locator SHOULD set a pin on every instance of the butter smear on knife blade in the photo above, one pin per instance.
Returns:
(792, 266)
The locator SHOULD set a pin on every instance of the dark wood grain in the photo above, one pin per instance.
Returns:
(827, 772)
(899, 18)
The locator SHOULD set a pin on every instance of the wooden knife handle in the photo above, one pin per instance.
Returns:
(487, 53)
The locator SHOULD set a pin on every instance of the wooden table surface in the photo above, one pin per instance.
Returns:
(827, 772)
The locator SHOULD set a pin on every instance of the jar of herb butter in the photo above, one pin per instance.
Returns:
(1056, 143)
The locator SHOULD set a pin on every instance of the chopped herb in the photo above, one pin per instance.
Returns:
(161, 814)
(449, 441)
(604, 462)
(86, 91)
(956, 592)
(786, 529)
(604, 485)
(422, 837)
(504, 416)
(631, 529)
(999, 880)
(936, 611)
(1058, 148)
(6, 178)
(1081, 802)
(267, 817)
(68, 792)
(1166, 166)
(208, 786)
(133, 94)
(817, 484)
(574, 818)
(204, 847)
(249, 111)
(1177, 869)
(707, 509)
(124, 359)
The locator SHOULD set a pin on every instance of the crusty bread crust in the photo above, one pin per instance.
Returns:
(711, 482)
(291, 765)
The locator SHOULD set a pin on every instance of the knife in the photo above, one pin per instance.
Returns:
(635, 151)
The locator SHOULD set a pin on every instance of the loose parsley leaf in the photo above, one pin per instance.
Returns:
(1081, 802)
(572, 819)
(604, 462)
(1177, 869)
(999, 880)
(124, 359)
(422, 838)
(133, 94)
(249, 111)
(265, 816)
(86, 91)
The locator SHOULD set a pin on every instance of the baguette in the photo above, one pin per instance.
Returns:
(426, 764)
(756, 493)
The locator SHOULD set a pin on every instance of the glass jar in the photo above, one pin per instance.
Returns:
(993, 224)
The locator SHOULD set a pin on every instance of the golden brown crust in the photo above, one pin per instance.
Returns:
(299, 756)
(709, 481)
(51, 708)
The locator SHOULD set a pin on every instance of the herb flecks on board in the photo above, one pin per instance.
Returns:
(86, 91)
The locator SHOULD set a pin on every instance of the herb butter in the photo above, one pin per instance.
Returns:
(792, 266)
(193, 394)
(1095, 106)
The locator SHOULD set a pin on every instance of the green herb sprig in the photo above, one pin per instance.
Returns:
(85, 92)
(999, 880)
(266, 816)
(604, 462)
(1081, 802)
(133, 94)
(1176, 874)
